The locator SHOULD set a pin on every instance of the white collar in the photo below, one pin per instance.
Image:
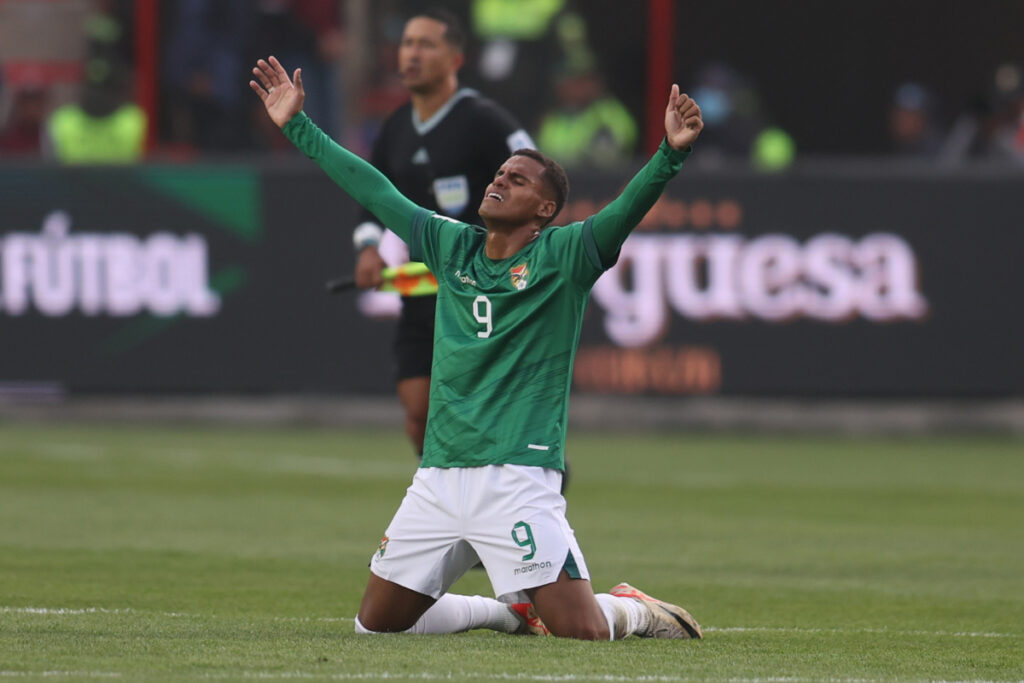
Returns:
(424, 127)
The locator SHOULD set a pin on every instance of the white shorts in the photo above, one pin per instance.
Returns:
(509, 517)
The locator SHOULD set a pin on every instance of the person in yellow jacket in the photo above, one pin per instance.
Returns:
(515, 19)
(519, 41)
(588, 125)
(102, 128)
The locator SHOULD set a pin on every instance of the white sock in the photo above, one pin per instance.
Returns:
(614, 613)
(457, 613)
(625, 616)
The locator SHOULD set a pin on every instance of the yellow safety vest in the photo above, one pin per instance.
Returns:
(573, 138)
(516, 19)
(79, 138)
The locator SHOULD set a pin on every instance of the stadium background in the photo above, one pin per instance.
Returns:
(848, 270)
(199, 447)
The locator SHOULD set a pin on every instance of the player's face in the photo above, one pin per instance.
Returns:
(517, 195)
(425, 58)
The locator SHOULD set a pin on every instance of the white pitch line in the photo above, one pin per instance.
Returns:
(478, 676)
(61, 674)
(63, 611)
(453, 675)
(847, 631)
(59, 450)
(71, 611)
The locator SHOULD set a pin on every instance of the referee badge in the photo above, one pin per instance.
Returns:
(452, 194)
(519, 275)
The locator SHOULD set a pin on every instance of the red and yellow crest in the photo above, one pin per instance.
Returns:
(519, 275)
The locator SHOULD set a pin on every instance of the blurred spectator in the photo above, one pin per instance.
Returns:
(382, 89)
(992, 128)
(731, 111)
(588, 125)
(520, 40)
(773, 150)
(306, 34)
(1007, 140)
(209, 49)
(207, 74)
(504, 24)
(912, 128)
(107, 31)
(22, 133)
(734, 126)
(104, 125)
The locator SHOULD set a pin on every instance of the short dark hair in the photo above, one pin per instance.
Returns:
(554, 178)
(453, 33)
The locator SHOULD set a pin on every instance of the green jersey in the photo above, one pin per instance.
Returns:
(506, 331)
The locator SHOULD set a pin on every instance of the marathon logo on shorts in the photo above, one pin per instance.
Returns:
(383, 546)
(519, 275)
(531, 568)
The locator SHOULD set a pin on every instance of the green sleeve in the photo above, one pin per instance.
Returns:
(612, 224)
(359, 179)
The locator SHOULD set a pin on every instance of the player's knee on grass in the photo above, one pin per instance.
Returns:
(369, 625)
(578, 621)
(570, 610)
(580, 628)
(362, 629)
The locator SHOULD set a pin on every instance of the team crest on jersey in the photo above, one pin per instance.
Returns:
(519, 275)
(383, 546)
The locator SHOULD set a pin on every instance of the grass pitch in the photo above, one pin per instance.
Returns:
(226, 554)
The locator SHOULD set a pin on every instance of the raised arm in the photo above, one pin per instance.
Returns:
(612, 224)
(283, 98)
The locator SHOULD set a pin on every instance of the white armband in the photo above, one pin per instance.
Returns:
(367, 235)
(520, 140)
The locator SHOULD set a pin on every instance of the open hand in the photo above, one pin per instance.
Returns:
(282, 97)
(682, 120)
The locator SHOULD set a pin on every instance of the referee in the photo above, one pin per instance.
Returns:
(440, 150)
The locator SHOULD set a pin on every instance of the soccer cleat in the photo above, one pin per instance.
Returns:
(529, 623)
(667, 620)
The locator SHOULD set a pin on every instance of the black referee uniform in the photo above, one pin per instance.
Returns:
(443, 164)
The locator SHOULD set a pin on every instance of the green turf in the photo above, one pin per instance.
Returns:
(180, 553)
